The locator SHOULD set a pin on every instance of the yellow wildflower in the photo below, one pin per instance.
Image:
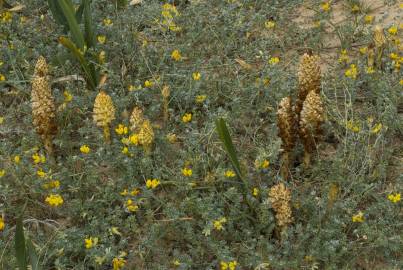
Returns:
(124, 192)
(118, 263)
(176, 262)
(353, 126)
(255, 192)
(229, 173)
(2, 173)
(401, 82)
(368, 19)
(1, 120)
(41, 173)
(223, 266)
(355, 8)
(2, 224)
(54, 200)
(352, 72)
(101, 39)
(67, 96)
(370, 70)
(107, 22)
(392, 30)
(343, 56)
(359, 217)
(325, 6)
(38, 158)
(218, 224)
(187, 172)
(121, 129)
(148, 83)
(135, 192)
(152, 183)
(394, 56)
(196, 76)
(85, 149)
(131, 207)
(101, 57)
(176, 55)
(274, 61)
(187, 117)
(125, 150)
(376, 128)
(394, 198)
(2, 78)
(17, 159)
(90, 242)
(232, 265)
(265, 164)
(363, 50)
(269, 24)
(200, 98)
(134, 139)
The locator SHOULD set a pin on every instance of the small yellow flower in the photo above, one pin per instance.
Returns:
(102, 57)
(394, 198)
(118, 263)
(255, 192)
(38, 158)
(107, 22)
(353, 126)
(368, 19)
(152, 183)
(101, 39)
(41, 173)
(54, 200)
(359, 217)
(325, 6)
(2, 78)
(343, 56)
(401, 82)
(135, 192)
(223, 266)
(187, 117)
(229, 173)
(393, 30)
(187, 172)
(17, 159)
(2, 173)
(394, 56)
(134, 139)
(124, 192)
(355, 8)
(269, 24)
(131, 207)
(1, 120)
(200, 98)
(68, 97)
(363, 50)
(218, 224)
(172, 138)
(176, 55)
(148, 84)
(121, 129)
(2, 224)
(90, 242)
(376, 128)
(176, 263)
(274, 61)
(265, 164)
(352, 72)
(370, 70)
(125, 150)
(196, 76)
(232, 265)
(52, 184)
(85, 149)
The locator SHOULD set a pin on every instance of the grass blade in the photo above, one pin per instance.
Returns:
(57, 12)
(228, 145)
(20, 251)
(75, 31)
(89, 32)
(33, 256)
(79, 13)
(91, 81)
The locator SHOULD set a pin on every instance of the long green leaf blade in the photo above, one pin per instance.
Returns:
(20, 251)
(228, 145)
(89, 32)
(57, 12)
(33, 256)
(79, 56)
(75, 31)
(79, 13)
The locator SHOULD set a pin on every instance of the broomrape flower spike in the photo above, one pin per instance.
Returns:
(280, 198)
(43, 106)
(146, 136)
(136, 119)
(104, 113)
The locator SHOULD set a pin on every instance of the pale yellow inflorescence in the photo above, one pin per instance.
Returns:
(280, 198)
(286, 123)
(379, 36)
(136, 119)
(146, 134)
(104, 110)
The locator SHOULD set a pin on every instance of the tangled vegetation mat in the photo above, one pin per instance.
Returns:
(201, 134)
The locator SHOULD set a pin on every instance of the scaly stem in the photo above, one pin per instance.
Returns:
(107, 134)
(285, 165)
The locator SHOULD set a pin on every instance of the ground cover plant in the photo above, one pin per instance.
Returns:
(196, 134)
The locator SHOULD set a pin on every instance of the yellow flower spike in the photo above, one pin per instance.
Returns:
(352, 72)
(152, 183)
(104, 113)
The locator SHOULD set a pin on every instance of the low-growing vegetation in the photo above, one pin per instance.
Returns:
(196, 134)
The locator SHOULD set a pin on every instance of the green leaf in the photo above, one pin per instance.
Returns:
(79, 13)
(89, 33)
(33, 256)
(91, 80)
(69, 13)
(20, 251)
(57, 13)
(228, 145)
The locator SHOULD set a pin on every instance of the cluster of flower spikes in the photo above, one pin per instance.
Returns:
(280, 198)
(104, 113)
(43, 105)
(142, 126)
